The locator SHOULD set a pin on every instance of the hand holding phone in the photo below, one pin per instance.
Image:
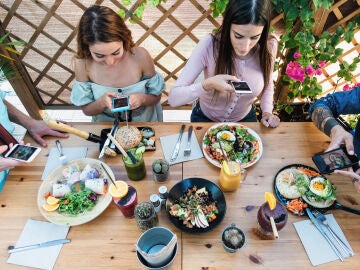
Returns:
(120, 104)
(241, 87)
(23, 153)
(336, 159)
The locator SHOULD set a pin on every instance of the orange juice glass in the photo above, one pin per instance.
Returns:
(231, 174)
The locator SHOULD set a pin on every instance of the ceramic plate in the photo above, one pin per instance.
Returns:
(56, 175)
(179, 189)
(252, 138)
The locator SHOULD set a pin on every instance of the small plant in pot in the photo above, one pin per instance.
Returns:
(160, 169)
(145, 216)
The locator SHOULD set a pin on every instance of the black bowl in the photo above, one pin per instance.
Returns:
(215, 192)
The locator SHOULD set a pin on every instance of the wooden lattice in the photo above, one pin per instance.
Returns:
(169, 32)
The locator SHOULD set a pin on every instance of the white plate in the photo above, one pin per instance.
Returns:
(62, 219)
(252, 132)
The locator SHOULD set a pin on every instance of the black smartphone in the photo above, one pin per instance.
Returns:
(336, 159)
(120, 104)
(23, 153)
(241, 87)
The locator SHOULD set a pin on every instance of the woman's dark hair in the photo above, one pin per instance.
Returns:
(255, 12)
(101, 24)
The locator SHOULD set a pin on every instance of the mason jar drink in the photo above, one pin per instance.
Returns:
(231, 174)
(135, 171)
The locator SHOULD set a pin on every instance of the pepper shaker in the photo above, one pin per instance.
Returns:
(155, 200)
(163, 194)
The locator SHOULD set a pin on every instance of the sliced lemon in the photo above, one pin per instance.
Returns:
(120, 190)
(231, 167)
(50, 207)
(270, 199)
(52, 200)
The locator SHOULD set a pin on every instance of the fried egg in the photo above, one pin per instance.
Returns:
(226, 135)
(318, 186)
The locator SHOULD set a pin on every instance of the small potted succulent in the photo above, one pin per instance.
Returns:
(145, 216)
(160, 169)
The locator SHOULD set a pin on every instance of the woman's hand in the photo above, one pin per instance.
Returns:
(340, 136)
(270, 120)
(38, 129)
(219, 83)
(7, 163)
(354, 176)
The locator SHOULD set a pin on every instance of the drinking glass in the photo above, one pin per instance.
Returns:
(231, 174)
(127, 203)
(263, 216)
(135, 171)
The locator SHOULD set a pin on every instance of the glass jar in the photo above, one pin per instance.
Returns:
(145, 216)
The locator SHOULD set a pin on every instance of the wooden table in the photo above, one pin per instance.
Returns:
(108, 242)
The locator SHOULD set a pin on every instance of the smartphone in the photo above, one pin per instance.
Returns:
(336, 159)
(120, 104)
(241, 87)
(23, 152)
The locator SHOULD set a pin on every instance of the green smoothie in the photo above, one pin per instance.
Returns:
(135, 171)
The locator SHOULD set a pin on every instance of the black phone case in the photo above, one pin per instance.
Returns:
(344, 161)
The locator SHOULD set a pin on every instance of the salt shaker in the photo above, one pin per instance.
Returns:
(155, 200)
(163, 194)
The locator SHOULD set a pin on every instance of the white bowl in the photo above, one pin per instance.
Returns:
(166, 265)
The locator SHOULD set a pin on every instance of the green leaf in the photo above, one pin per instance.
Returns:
(126, 2)
(338, 51)
(348, 36)
(121, 12)
(291, 14)
(306, 14)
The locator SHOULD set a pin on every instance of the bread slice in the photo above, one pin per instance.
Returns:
(286, 182)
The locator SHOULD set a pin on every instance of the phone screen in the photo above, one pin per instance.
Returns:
(23, 152)
(336, 159)
(120, 104)
(241, 87)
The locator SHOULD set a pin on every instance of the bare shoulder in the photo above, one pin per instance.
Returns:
(80, 70)
(143, 57)
(273, 44)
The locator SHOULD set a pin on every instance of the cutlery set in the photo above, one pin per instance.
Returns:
(187, 150)
(39, 245)
(320, 222)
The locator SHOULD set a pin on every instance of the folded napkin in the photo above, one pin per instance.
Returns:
(168, 145)
(53, 160)
(36, 232)
(316, 246)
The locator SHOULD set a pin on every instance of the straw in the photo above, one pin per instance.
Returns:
(122, 150)
(109, 175)
(225, 156)
(274, 229)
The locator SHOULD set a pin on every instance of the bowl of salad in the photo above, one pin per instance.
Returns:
(195, 205)
(239, 143)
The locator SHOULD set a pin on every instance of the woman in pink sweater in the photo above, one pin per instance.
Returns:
(242, 50)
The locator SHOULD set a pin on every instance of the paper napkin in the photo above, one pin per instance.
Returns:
(53, 160)
(36, 232)
(168, 145)
(316, 247)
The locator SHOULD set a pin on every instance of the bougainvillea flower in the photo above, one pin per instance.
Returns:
(297, 55)
(295, 72)
(322, 63)
(318, 71)
(346, 87)
(310, 70)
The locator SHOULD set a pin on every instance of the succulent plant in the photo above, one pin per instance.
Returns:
(144, 210)
(160, 166)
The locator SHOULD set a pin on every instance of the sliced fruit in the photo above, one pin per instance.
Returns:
(202, 219)
(50, 207)
(271, 200)
(52, 200)
(231, 167)
(120, 190)
(140, 150)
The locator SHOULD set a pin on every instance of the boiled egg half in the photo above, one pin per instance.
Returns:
(320, 186)
(226, 135)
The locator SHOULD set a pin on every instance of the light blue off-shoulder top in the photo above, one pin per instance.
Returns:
(86, 92)
(4, 117)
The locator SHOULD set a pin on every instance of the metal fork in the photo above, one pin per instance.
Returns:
(187, 150)
(323, 220)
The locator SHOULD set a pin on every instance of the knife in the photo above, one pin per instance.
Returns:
(323, 233)
(40, 245)
(177, 145)
(107, 141)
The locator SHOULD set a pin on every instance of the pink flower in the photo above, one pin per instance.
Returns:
(295, 72)
(297, 55)
(322, 63)
(346, 87)
(318, 71)
(310, 70)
